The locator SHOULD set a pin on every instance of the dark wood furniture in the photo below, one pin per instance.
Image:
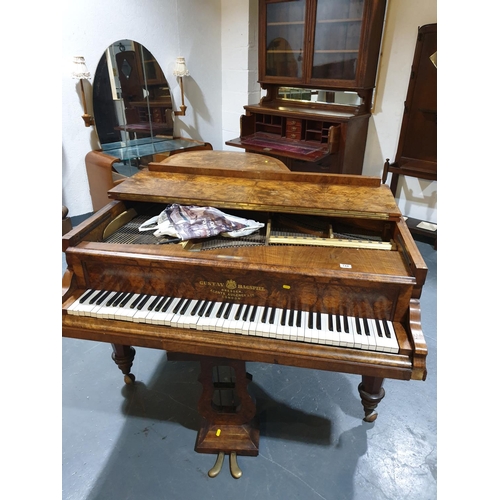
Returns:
(351, 264)
(416, 155)
(325, 48)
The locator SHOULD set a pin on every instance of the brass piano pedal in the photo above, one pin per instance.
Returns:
(214, 471)
(233, 465)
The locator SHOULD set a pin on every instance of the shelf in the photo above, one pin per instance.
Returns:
(352, 20)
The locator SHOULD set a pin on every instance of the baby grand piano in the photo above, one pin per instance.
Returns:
(332, 282)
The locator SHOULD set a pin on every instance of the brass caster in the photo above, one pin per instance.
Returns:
(370, 416)
(129, 378)
(214, 471)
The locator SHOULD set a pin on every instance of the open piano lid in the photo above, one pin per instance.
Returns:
(287, 192)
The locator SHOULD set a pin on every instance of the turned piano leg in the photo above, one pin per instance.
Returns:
(371, 392)
(123, 356)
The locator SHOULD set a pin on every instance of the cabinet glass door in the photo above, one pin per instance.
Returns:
(337, 39)
(285, 30)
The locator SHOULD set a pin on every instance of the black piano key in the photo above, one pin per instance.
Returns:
(210, 309)
(272, 316)
(245, 313)
(118, 298)
(97, 297)
(298, 321)
(177, 307)
(310, 322)
(142, 303)
(153, 304)
(386, 329)
(221, 309)
(167, 304)
(264, 315)
(185, 307)
(238, 312)
(84, 297)
(126, 299)
(253, 314)
(346, 324)
(379, 330)
(283, 317)
(338, 323)
(330, 322)
(358, 326)
(203, 308)
(102, 298)
(111, 299)
(227, 312)
(367, 328)
(136, 301)
(291, 317)
(161, 303)
(196, 306)
(318, 321)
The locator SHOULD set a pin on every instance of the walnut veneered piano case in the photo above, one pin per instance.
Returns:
(332, 281)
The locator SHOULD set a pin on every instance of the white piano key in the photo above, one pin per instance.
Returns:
(100, 303)
(346, 331)
(332, 329)
(324, 334)
(291, 326)
(372, 341)
(191, 317)
(204, 313)
(225, 306)
(126, 312)
(274, 321)
(244, 325)
(393, 341)
(282, 324)
(108, 308)
(253, 320)
(262, 324)
(238, 323)
(360, 341)
(78, 307)
(142, 309)
(229, 322)
(163, 316)
(209, 321)
(300, 325)
(179, 313)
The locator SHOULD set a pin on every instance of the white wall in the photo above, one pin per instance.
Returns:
(218, 38)
(416, 197)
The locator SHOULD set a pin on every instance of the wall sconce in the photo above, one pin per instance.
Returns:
(81, 72)
(180, 70)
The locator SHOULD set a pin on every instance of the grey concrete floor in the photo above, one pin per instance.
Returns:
(137, 442)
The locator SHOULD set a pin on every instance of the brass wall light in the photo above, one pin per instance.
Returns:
(81, 72)
(180, 70)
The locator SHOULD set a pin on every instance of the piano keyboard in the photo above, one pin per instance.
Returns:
(261, 321)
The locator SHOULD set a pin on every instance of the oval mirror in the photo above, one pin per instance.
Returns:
(131, 97)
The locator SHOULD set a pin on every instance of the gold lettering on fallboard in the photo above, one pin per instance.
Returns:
(231, 290)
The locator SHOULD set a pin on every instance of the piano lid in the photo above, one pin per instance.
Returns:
(275, 191)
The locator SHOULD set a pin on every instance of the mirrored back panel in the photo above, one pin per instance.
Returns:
(131, 98)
